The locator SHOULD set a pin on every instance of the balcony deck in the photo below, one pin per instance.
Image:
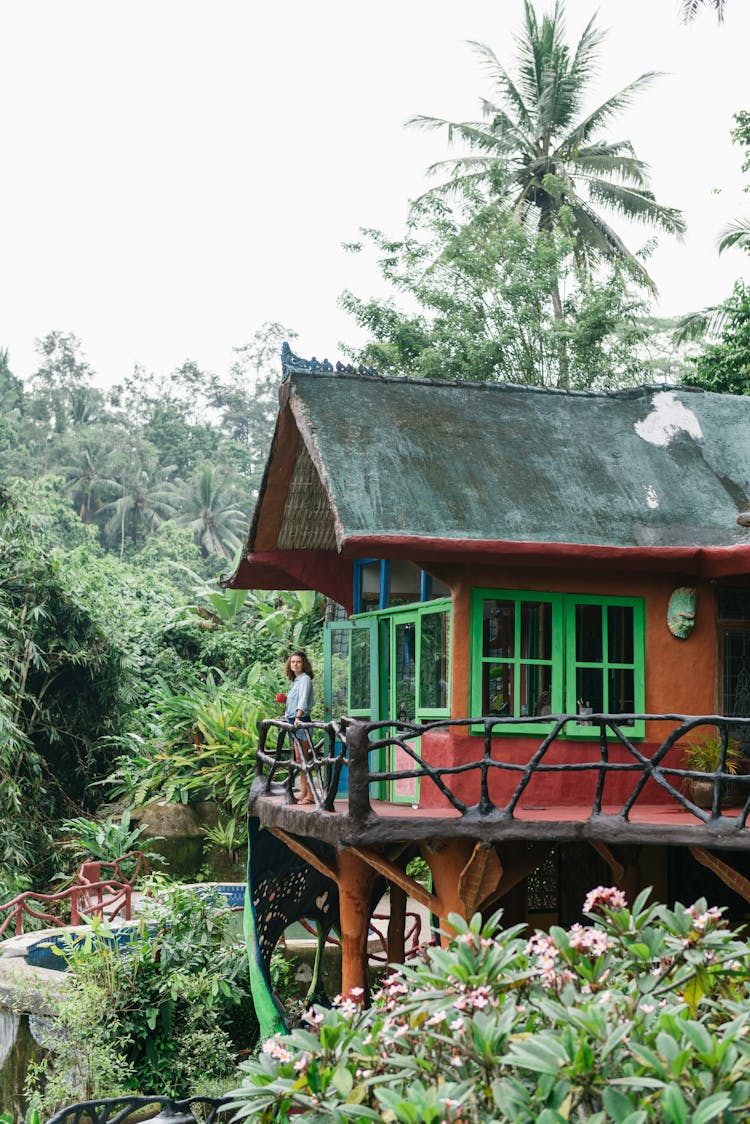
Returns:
(491, 798)
(646, 823)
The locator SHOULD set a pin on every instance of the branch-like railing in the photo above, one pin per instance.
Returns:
(132, 1108)
(352, 743)
(101, 887)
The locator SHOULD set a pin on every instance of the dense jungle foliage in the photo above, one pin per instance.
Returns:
(119, 651)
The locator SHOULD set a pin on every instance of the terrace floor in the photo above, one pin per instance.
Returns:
(665, 823)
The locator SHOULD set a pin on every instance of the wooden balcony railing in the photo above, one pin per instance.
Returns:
(354, 744)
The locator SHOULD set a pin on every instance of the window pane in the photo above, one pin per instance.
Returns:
(536, 630)
(433, 668)
(588, 634)
(535, 689)
(590, 688)
(405, 635)
(360, 692)
(339, 672)
(620, 624)
(499, 628)
(621, 691)
(497, 689)
(370, 586)
(737, 674)
(405, 583)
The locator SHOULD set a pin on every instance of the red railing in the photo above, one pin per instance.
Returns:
(412, 936)
(91, 896)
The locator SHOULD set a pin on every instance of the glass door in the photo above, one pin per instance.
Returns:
(350, 652)
(403, 693)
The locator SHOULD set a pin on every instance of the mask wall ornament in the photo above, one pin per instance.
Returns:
(681, 612)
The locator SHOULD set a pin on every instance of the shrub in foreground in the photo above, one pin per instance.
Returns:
(640, 1015)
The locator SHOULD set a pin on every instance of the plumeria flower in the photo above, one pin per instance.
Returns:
(604, 897)
(274, 1048)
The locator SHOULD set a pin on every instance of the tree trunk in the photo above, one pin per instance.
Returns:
(563, 379)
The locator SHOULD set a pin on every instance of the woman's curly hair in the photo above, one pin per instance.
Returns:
(306, 665)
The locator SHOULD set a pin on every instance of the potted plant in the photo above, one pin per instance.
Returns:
(704, 756)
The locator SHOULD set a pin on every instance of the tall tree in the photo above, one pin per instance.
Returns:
(62, 382)
(142, 496)
(548, 161)
(477, 286)
(247, 400)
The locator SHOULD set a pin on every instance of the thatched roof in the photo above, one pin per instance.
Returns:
(367, 465)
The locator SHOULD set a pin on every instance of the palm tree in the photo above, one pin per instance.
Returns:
(207, 507)
(83, 458)
(143, 503)
(548, 163)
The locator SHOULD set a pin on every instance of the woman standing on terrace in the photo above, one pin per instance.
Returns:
(299, 703)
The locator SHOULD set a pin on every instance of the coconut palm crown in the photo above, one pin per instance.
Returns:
(549, 161)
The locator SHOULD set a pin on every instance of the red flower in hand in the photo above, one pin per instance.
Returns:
(281, 697)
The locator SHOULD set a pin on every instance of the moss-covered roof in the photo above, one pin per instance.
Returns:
(448, 461)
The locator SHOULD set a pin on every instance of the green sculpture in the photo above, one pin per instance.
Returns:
(681, 612)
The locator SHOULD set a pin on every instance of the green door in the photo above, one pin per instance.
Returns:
(403, 695)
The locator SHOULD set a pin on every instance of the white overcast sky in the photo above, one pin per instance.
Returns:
(176, 172)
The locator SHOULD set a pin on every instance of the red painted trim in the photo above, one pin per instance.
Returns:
(705, 561)
(321, 570)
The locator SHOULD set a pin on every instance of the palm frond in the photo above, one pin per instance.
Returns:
(584, 60)
(638, 204)
(615, 104)
(690, 9)
(736, 234)
(504, 127)
(475, 133)
(457, 184)
(628, 169)
(708, 321)
(505, 84)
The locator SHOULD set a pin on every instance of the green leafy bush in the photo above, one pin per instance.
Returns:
(104, 839)
(166, 1012)
(202, 745)
(639, 1016)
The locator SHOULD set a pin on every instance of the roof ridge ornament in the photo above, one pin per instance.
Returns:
(292, 364)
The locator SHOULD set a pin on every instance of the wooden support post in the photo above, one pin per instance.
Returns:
(355, 889)
(729, 876)
(447, 859)
(623, 865)
(396, 952)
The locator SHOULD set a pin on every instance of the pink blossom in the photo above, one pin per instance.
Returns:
(274, 1048)
(604, 897)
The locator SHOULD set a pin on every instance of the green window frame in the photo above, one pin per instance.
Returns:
(517, 656)
(613, 666)
(537, 653)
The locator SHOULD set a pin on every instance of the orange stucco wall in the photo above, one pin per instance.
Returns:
(680, 679)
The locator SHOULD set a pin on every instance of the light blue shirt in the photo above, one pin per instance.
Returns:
(300, 696)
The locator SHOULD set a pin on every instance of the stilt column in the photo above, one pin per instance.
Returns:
(447, 859)
(355, 879)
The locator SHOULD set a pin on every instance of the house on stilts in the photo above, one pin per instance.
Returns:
(544, 599)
